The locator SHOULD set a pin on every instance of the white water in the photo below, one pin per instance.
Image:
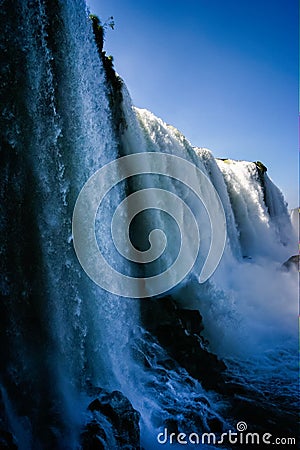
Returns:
(260, 297)
(248, 307)
(295, 220)
(60, 137)
(250, 304)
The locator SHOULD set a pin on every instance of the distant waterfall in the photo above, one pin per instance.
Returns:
(250, 304)
(59, 332)
(295, 220)
(55, 130)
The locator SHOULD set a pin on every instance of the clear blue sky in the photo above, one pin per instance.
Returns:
(224, 72)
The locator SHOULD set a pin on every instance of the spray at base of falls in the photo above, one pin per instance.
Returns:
(63, 337)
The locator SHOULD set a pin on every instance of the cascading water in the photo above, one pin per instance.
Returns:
(62, 334)
(249, 306)
(295, 220)
(56, 130)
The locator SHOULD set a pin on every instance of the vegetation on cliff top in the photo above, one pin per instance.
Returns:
(113, 80)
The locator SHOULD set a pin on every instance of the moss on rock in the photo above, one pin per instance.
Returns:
(114, 82)
(261, 167)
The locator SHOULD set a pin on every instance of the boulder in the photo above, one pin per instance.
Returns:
(112, 418)
(178, 331)
(292, 262)
(7, 439)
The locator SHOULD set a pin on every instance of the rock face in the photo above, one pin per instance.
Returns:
(114, 423)
(292, 262)
(179, 332)
(7, 440)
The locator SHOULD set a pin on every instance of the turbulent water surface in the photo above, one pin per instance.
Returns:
(60, 332)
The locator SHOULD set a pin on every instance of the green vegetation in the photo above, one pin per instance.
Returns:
(99, 29)
(225, 160)
(113, 80)
(261, 170)
(261, 167)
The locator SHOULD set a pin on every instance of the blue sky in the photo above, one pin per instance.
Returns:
(224, 72)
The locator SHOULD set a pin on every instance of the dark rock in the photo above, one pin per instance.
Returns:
(266, 417)
(94, 437)
(261, 167)
(170, 364)
(114, 82)
(179, 333)
(195, 420)
(7, 441)
(171, 425)
(138, 355)
(111, 411)
(202, 400)
(94, 391)
(192, 321)
(215, 425)
(292, 262)
(98, 31)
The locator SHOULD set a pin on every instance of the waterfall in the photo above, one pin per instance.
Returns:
(60, 332)
(295, 220)
(56, 129)
(260, 234)
(250, 304)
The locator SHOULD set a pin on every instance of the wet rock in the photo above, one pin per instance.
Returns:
(202, 400)
(292, 262)
(215, 425)
(7, 441)
(266, 417)
(191, 321)
(178, 331)
(93, 437)
(171, 425)
(114, 423)
(261, 167)
(195, 420)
